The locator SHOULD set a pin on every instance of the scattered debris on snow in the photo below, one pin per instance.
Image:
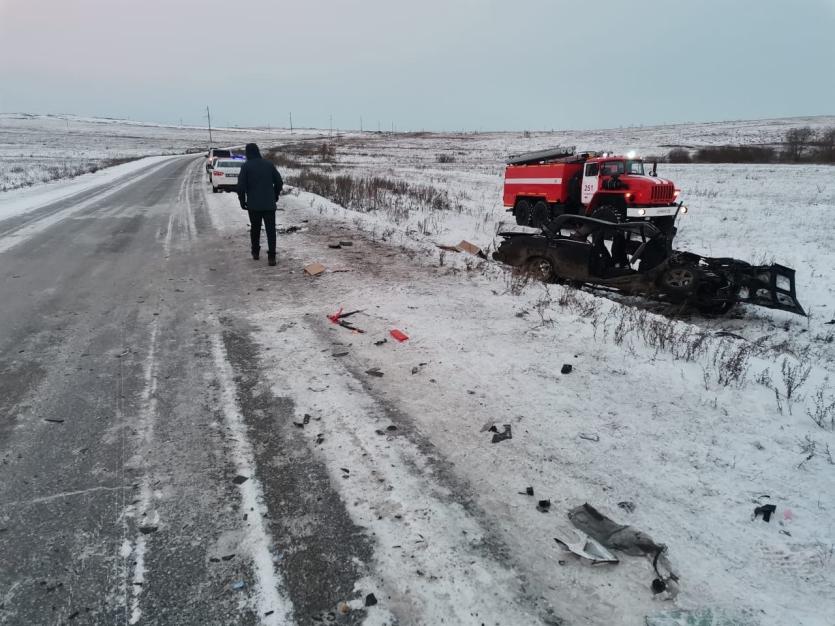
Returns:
(500, 436)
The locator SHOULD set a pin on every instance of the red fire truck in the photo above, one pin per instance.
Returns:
(539, 186)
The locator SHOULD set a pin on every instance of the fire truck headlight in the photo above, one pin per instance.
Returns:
(683, 209)
(642, 212)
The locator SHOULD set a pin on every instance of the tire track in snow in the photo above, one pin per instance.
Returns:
(429, 539)
(145, 517)
(270, 592)
(182, 217)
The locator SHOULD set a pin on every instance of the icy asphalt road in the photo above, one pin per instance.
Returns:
(124, 403)
(148, 473)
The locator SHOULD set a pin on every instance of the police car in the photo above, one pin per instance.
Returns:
(225, 174)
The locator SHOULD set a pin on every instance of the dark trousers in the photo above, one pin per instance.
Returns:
(255, 218)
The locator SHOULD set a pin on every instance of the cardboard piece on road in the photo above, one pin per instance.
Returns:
(466, 246)
(314, 269)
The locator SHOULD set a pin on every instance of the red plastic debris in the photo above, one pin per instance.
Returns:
(338, 318)
(399, 335)
(335, 317)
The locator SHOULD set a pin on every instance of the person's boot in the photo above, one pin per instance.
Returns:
(271, 259)
(255, 256)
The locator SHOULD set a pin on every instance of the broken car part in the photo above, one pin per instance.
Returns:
(501, 436)
(587, 548)
(766, 511)
(611, 534)
(637, 258)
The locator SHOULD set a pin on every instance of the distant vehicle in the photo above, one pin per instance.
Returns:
(225, 174)
(209, 167)
(215, 153)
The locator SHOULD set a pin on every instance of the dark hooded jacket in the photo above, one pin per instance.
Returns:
(259, 183)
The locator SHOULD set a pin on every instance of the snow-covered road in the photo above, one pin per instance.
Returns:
(187, 438)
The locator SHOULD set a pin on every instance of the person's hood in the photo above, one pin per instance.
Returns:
(252, 151)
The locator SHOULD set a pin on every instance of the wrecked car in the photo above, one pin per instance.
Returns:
(637, 258)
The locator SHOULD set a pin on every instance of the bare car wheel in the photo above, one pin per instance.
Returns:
(540, 268)
(679, 281)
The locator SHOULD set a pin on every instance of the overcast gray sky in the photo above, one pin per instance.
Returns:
(422, 64)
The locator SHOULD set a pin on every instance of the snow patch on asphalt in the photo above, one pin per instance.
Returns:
(270, 592)
(141, 510)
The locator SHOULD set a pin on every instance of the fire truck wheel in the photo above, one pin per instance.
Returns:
(523, 212)
(541, 214)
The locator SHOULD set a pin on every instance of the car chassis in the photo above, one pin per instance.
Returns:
(637, 258)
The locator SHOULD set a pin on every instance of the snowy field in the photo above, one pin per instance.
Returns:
(41, 148)
(699, 419)
(692, 421)
(759, 213)
(688, 423)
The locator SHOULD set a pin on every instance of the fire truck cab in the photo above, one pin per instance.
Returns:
(539, 186)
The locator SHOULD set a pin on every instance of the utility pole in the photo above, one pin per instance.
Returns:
(330, 132)
(291, 122)
(209, 116)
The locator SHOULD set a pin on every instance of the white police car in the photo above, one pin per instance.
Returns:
(225, 174)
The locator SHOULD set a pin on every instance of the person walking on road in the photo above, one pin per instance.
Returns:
(259, 184)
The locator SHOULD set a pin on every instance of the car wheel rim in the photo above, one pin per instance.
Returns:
(681, 279)
(541, 269)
